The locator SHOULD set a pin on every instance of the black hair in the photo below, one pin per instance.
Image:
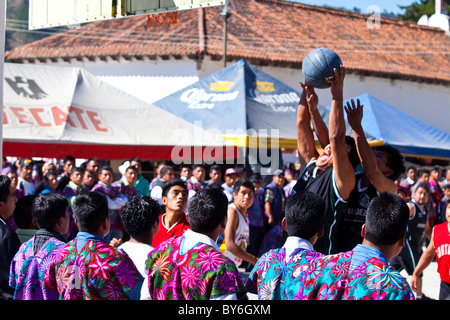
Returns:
(139, 215)
(131, 168)
(195, 166)
(352, 151)
(136, 159)
(170, 184)
(423, 171)
(386, 219)
(50, 173)
(47, 208)
(90, 211)
(423, 186)
(243, 183)
(207, 208)
(22, 213)
(106, 168)
(78, 169)
(5, 182)
(215, 167)
(164, 170)
(305, 214)
(395, 161)
(68, 158)
(185, 166)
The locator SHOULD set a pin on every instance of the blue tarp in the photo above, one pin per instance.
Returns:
(236, 99)
(409, 135)
(241, 97)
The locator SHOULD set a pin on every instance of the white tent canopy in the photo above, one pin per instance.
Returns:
(56, 111)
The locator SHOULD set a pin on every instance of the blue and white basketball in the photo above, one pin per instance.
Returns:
(318, 65)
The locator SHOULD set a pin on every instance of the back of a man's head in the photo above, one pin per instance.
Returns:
(47, 208)
(90, 211)
(139, 215)
(386, 219)
(5, 182)
(305, 214)
(207, 209)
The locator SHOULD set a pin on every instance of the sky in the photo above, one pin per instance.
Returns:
(388, 5)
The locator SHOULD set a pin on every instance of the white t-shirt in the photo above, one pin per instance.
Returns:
(242, 237)
(138, 252)
(27, 187)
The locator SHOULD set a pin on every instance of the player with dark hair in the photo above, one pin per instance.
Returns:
(237, 231)
(418, 229)
(50, 211)
(191, 267)
(304, 223)
(330, 174)
(363, 273)
(381, 166)
(140, 217)
(173, 222)
(87, 268)
(9, 241)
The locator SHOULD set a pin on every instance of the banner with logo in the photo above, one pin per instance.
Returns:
(238, 100)
(53, 111)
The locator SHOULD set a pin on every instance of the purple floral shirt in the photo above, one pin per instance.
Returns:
(27, 271)
(98, 272)
(201, 273)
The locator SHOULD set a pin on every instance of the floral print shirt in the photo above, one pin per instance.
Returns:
(178, 270)
(276, 274)
(332, 278)
(28, 271)
(97, 272)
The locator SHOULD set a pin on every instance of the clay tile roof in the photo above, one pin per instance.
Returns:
(263, 32)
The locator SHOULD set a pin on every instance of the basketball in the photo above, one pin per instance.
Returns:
(318, 65)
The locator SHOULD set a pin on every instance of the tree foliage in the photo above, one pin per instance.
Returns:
(417, 9)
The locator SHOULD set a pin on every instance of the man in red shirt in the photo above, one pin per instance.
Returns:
(174, 221)
(440, 247)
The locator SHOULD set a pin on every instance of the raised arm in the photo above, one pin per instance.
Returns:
(319, 125)
(365, 152)
(305, 137)
(343, 169)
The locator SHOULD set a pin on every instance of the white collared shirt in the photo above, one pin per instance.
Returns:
(293, 243)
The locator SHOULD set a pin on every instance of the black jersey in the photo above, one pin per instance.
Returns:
(323, 184)
(415, 232)
(353, 216)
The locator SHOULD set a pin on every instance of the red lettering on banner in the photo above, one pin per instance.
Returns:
(79, 113)
(5, 117)
(61, 117)
(93, 116)
(76, 118)
(35, 113)
(21, 116)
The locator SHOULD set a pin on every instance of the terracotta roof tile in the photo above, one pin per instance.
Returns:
(263, 32)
